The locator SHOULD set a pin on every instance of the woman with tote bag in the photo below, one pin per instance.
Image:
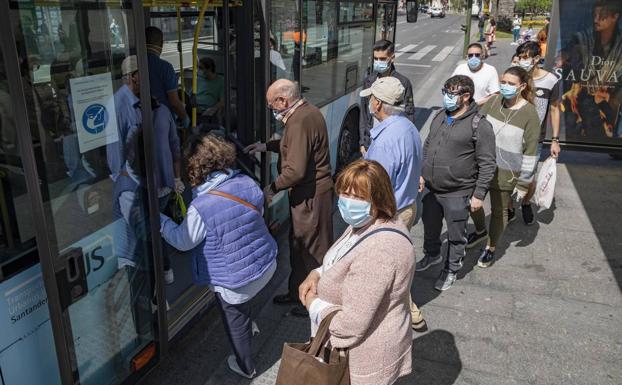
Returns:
(365, 279)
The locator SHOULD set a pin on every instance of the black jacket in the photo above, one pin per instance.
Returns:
(367, 120)
(459, 158)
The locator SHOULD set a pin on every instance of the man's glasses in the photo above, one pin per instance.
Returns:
(445, 91)
(470, 55)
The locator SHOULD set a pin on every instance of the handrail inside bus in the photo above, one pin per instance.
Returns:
(181, 54)
(195, 52)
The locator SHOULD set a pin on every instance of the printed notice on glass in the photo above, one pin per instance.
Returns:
(94, 111)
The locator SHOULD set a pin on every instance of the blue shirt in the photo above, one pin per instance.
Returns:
(162, 78)
(129, 118)
(396, 145)
(167, 147)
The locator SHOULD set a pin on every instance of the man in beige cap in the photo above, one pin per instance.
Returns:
(395, 143)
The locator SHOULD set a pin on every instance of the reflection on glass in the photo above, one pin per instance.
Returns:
(70, 59)
(334, 52)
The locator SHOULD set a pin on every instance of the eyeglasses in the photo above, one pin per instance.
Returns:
(470, 55)
(445, 91)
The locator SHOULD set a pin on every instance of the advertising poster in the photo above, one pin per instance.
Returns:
(589, 64)
(94, 111)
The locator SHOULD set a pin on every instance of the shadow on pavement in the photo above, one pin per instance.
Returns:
(597, 180)
(442, 364)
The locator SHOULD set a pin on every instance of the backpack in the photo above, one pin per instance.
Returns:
(474, 123)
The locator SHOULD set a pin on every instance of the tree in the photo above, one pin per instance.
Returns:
(533, 6)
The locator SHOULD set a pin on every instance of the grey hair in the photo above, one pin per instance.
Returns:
(393, 110)
(289, 90)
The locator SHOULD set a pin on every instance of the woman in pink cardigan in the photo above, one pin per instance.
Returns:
(366, 277)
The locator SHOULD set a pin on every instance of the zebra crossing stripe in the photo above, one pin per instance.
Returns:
(403, 50)
(443, 54)
(424, 51)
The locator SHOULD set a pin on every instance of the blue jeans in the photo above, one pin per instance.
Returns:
(516, 34)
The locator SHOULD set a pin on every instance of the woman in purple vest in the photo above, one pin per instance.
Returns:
(233, 251)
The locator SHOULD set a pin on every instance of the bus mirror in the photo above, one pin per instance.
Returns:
(412, 11)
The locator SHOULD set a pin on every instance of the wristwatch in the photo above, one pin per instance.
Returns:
(555, 139)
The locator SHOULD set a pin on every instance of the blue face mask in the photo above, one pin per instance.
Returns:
(381, 66)
(354, 212)
(508, 91)
(474, 62)
(450, 102)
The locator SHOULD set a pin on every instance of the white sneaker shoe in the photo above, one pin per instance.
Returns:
(169, 277)
(254, 328)
(233, 365)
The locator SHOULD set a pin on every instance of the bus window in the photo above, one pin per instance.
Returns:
(285, 40)
(335, 52)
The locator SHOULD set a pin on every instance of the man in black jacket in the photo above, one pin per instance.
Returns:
(384, 58)
(458, 166)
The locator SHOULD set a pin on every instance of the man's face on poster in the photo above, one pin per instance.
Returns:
(605, 19)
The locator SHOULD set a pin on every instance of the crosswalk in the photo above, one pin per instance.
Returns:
(420, 52)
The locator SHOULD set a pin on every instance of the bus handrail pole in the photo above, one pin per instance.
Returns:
(181, 55)
(195, 57)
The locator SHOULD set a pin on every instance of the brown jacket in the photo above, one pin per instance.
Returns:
(370, 287)
(304, 158)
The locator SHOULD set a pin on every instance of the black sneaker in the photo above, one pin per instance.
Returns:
(511, 215)
(486, 259)
(428, 261)
(474, 238)
(528, 216)
(445, 280)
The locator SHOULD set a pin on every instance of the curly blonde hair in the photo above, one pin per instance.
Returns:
(206, 154)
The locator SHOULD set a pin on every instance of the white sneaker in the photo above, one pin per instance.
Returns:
(233, 365)
(169, 277)
(254, 328)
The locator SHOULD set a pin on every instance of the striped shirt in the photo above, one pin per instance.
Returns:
(517, 132)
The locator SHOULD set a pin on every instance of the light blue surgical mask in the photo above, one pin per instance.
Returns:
(354, 212)
(474, 62)
(527, 65)
(450, 102)
(508, 91)
(381, 66)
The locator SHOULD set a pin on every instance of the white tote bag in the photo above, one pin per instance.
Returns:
(545, 186)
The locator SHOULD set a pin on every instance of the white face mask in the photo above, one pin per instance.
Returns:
(526, 64)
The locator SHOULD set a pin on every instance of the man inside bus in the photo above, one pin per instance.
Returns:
(210, 90)
(384, 65)
(162, 76)
(305, 172)
(167, 158)
(396, 145)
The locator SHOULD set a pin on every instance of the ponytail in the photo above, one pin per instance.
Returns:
(528, 92)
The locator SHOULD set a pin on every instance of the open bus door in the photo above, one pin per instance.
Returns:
(412, 11)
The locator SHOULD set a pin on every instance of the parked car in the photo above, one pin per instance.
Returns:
(424, 8)
(437, 12)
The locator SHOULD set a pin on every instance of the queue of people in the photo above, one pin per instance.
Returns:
(485, 141)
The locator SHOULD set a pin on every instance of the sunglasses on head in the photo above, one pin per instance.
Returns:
(470, 55)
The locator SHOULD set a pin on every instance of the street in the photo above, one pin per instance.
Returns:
(547, 312)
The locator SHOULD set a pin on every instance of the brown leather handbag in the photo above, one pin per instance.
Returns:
(313, 363)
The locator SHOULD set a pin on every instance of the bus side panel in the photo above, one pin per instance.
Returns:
(27, 353)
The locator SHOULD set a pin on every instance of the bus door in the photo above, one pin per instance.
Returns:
(90, 195)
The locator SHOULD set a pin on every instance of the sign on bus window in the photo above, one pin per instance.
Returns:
(589, 65)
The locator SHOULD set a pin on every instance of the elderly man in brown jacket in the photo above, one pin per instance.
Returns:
(305, 172)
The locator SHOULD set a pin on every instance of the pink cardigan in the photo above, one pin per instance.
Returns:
(370, 288)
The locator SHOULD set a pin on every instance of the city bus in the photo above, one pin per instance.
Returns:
(70, 311)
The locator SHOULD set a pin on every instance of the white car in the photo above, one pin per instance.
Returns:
(437, 12)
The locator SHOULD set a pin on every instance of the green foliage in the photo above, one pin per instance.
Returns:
(534, 6)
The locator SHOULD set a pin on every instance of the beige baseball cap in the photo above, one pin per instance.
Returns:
(129, 65)
(387, 89)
